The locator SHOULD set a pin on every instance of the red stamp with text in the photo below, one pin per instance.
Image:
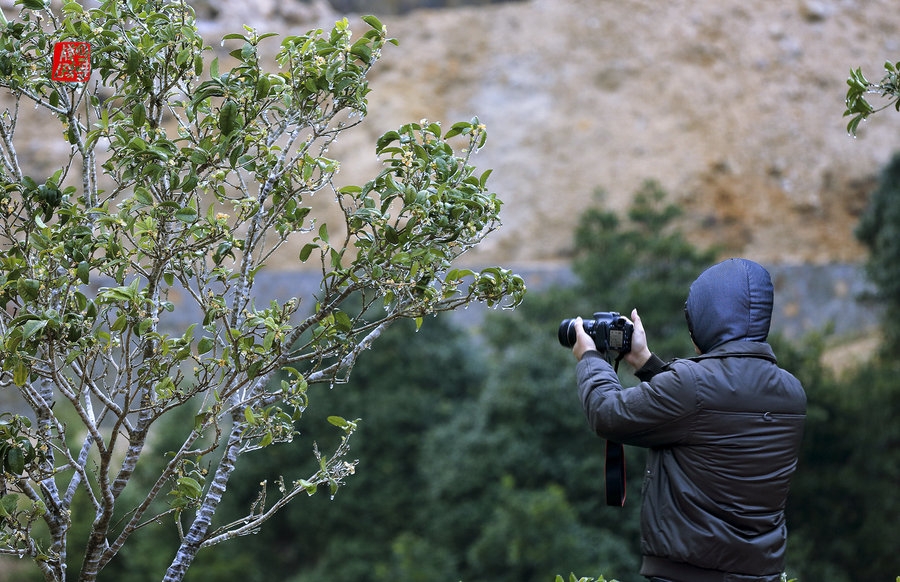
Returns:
(71, 62)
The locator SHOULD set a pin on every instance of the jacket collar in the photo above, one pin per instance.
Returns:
(740, 349)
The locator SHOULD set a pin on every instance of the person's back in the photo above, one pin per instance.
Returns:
(723, 429)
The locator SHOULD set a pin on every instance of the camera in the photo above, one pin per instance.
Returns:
(608, 329)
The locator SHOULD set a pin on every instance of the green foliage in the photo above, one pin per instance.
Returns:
(858, 107)
(414, 381)
(183, 179)
(879, 230)
(843, 506)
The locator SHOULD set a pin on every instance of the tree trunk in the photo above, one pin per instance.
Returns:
(190, 545)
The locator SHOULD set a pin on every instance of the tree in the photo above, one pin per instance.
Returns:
(172, 184)
(843, 508)
(409, 386)
(879, 230)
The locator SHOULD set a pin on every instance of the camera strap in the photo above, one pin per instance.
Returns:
(615, 467)
(615, 474)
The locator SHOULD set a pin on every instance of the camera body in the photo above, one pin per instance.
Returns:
(608, 329)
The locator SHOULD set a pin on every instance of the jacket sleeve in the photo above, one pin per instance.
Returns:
(655, 413)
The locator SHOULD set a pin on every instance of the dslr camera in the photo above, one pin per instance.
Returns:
(608, 329)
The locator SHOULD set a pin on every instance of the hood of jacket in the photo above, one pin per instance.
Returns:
(730, 301)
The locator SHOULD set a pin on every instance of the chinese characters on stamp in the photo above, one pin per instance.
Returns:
(71, 62)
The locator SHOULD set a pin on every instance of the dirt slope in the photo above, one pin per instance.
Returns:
(734, 106)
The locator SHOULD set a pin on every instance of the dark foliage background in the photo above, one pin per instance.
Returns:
(476, 463)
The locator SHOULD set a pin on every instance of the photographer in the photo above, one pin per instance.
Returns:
(723, 431)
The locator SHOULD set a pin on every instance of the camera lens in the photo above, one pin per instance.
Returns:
(566, 333)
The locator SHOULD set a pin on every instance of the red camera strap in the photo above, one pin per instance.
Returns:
(615, 474)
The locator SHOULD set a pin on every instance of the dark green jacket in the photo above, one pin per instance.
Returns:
(724, 431)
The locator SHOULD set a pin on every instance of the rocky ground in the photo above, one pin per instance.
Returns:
(734, 106)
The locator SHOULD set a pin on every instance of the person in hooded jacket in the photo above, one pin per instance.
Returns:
(723, 431)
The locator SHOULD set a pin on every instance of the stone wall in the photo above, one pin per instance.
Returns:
(808, 298)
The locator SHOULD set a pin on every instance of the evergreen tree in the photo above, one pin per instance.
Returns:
(843, 508)
(879, 230)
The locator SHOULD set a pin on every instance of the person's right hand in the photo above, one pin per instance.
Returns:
(639, 353)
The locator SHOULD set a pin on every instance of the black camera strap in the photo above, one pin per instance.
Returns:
(615, 467)
(615, 474)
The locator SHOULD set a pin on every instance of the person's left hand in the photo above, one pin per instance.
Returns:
(583, 342)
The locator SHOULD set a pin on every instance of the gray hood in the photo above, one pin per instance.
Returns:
(731, 301)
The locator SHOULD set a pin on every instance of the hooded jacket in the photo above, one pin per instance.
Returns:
(723, 431)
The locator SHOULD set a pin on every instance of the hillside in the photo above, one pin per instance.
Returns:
(733, 106)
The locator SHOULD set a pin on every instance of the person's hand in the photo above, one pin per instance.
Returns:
(639, 353)
(583, 342)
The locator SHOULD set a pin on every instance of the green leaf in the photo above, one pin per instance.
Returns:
(307, 250)
(139, 114)
(228, 117)
(342, 321)
(307, 486)
(144, 326)
(28, 289)
(187, 215)
(9, 503)
(31, 328)
(137, 143)
(484, 178)
(190, 487)
(143, 196)
(338, 421)
(385, 140)
(200, 420)
(20, 373)
(31, 4)
(457, 129)
(204, 345)
(84, 271)
(120, 323)
(373, 21)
